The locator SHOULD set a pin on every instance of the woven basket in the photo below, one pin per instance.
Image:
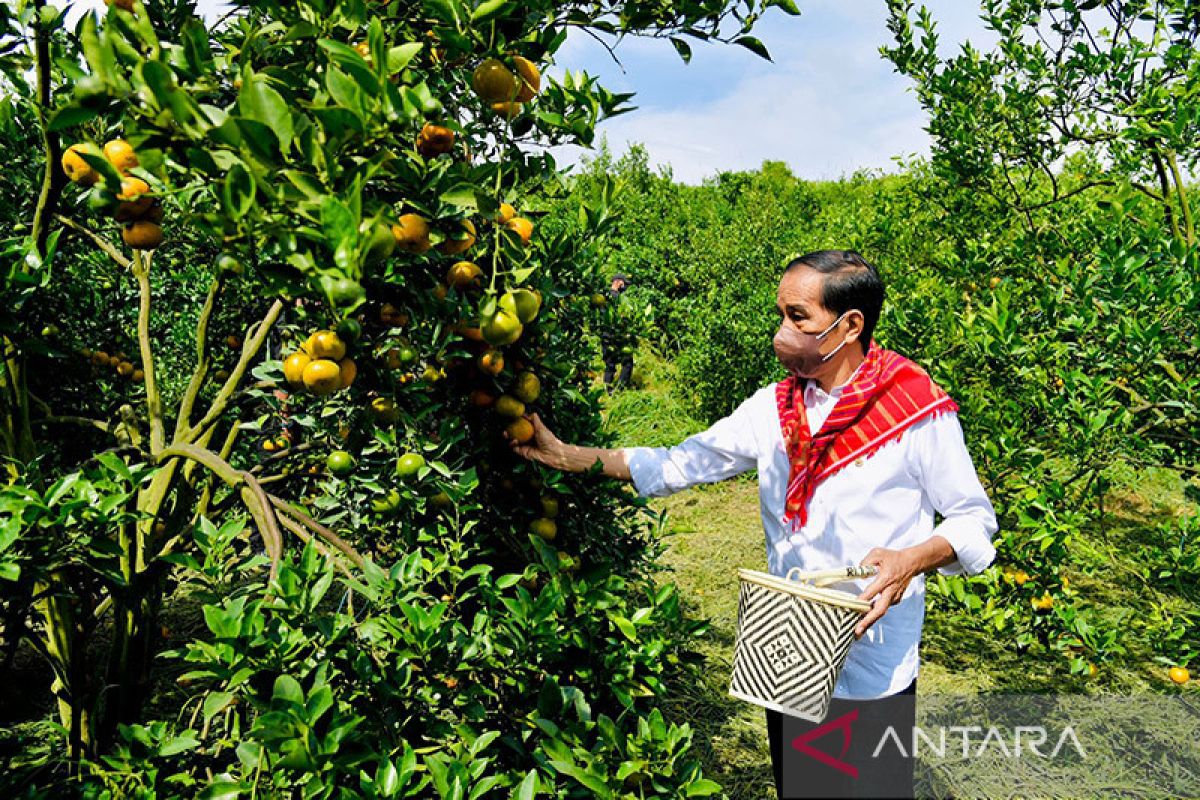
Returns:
(793, 638)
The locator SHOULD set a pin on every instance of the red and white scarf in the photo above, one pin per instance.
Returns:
(887, 395)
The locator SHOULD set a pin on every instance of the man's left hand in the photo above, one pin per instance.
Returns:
(896, 569)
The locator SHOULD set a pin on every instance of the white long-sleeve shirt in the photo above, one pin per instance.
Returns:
(887, 500)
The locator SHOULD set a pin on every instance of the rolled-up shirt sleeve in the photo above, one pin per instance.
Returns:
(726, 449)
(949, 479)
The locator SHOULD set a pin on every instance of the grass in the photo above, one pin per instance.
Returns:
(713, 530)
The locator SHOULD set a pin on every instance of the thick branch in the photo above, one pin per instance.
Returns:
(141, 270)
(250, 348)
(318, 528)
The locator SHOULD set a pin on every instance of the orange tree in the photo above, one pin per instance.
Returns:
(362, 180)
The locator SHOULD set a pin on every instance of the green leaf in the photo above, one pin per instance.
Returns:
(703, 788)
(463, 195)
(288, 690)
(262, 104)
(398, 57)
(625, 626)
(754, 46)
(488, 9)
(683, 48)
(593, 782)
(529, 787)
(70, 116)
(215, 703)
(178, 745)
(238, 192)
(223, 789)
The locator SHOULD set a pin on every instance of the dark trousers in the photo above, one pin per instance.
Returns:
(612, 361)
(837, 756)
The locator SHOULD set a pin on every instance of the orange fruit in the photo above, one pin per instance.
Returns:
(530, 78)
(521, 227)
(125, 369)
(76, 169)
(527, 304)
(392, 317)
(322, 377)
(135, 200)
(384, 410)
(509, 406)
(462, 274)
(480, 398)
(494, 82)
(508, 109)
(440, 291)
(409, 464)
(452, 247)
(137, 376)
(120, 154)
(549, 507)
(491, 362)
(347, 372)
(520, 430)
(233, 342)
(339, 462)
(293, 367)
(142, 235)
(326, 344)
(502, 328)
(132, 188)
(412, 233)
(545, 528)
(527, 387)
(1179, 675)
(433, 140)
(470, 332)
(506, 213)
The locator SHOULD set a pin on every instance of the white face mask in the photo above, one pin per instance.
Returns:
(800, 352)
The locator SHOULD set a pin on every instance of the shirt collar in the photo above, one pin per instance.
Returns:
(836, 391)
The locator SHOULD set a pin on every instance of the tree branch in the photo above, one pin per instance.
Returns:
(141, 270)
(98, 240)
(250, 348)
(197, 380)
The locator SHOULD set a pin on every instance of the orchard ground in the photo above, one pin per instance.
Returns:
(711, 531)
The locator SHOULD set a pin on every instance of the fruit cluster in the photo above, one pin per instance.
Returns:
(119, 362)
(139, 212)
(320, 365)
(506, 90)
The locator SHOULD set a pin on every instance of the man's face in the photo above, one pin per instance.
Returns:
(802, 318)
(618, 284)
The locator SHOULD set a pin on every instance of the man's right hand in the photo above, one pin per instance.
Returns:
(544, 447)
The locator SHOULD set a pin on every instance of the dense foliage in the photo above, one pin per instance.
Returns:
(277, 287)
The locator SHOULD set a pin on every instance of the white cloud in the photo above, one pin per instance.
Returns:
(830, 104)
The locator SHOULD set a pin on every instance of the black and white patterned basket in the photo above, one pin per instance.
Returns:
(793, 638)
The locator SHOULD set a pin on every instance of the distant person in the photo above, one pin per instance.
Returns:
(857, 451)
(616, 338)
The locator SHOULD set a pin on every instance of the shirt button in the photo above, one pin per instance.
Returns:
(858, 462)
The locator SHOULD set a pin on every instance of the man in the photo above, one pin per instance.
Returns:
(616, 338)
(856, 451)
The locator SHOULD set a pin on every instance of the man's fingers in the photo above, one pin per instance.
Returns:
(869, 618)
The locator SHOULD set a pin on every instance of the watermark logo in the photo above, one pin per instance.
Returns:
(842, 725)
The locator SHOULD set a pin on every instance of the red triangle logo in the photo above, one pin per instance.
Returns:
(842, 723)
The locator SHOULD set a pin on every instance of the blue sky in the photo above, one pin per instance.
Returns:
(827, 105)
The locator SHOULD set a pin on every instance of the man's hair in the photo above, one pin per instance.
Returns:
(850, 282)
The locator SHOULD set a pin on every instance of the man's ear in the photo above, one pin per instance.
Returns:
(855, 322)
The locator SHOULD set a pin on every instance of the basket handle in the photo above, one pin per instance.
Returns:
(827, 576)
